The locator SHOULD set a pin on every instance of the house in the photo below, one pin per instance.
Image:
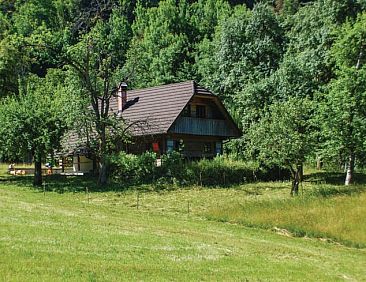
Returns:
(161, 119)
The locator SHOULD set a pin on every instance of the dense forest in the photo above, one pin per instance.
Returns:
(291, 72)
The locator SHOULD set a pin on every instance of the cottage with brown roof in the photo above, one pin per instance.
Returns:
(181, 116)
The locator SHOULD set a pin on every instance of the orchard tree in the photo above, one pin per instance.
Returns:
(284, 137)
(344, 109)
(92, 48)
(34, 120)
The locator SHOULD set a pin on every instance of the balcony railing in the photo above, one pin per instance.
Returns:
(202, 126)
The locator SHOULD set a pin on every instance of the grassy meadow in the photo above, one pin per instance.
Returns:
(247, 232)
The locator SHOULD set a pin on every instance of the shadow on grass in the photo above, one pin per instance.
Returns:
(84, 183)
(334, 178)
(79, 184)
(62, 184)
(326, 191)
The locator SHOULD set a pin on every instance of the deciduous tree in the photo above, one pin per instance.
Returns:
(34, 120)
(344, 114)
(284, 136)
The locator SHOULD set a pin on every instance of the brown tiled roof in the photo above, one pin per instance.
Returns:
(153, 110)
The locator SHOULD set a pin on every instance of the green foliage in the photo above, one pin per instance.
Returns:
(132, 169)
(33, 121)
(343, 110)
(30, 15)
(206, 15)
(173, 169)
(13, 64)
(284, 136)
(220, 171)
(243, 48)
(160, 48)
(253, 54)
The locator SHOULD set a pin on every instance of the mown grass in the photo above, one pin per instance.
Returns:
(155, 232)
(104, 237)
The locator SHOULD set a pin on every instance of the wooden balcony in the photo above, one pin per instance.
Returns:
(202, 126)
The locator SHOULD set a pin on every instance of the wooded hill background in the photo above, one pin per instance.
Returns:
(290, 72)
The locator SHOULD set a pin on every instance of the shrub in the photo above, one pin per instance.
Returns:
(223, 171)
(133, 169)
(220, 171)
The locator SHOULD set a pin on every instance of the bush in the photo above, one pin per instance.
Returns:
(224, 171)
(133, 169)
(220, 171)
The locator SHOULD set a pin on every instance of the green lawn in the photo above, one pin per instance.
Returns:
(104, 237)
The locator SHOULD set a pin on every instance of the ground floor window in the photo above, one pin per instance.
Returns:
(207, 148)
(218, 148)
(169, 145)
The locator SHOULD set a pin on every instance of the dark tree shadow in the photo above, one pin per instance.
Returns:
(62, 183)
(334, 178)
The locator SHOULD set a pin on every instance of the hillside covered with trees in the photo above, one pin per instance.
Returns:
(292, 73)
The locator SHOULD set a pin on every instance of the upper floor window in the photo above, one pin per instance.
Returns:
(200, 111)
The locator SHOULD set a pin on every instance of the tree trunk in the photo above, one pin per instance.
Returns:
(350, 169)
(37, 181)
(297, 178)
(102, 179)
(319, 163)
(300, 169)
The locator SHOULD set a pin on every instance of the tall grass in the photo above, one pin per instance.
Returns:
(340, 218)
(3, 169)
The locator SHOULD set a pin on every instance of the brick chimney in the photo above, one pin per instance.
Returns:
(122, 96)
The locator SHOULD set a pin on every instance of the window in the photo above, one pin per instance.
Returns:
(179, 145)
(218, 148)
(170, 145)
(174, 145)
(186, 111)
(207, 148)
(200, 111)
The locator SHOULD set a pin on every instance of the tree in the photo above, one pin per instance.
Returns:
(243, 51)
(161, 47)
(97, 61)
(13, 64)
(343, 111)
(92, 47)
(305, 67)
(284, 136)
(34, 120)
